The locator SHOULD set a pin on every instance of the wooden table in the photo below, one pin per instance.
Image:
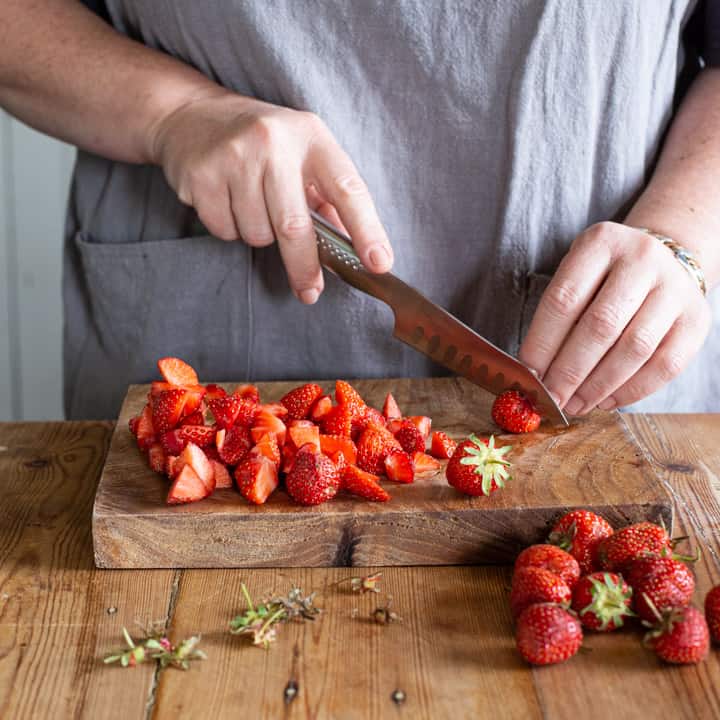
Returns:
(452, 655)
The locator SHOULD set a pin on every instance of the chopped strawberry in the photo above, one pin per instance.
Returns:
(170, 469)
(424, 464)
(222, 476)
(187, 487)
(339, 459)
(196, 418)
(233, 410)
(303, 432)
(167, 409)
(234, 444)
(399, 466)
(373, 446)
(256, 478)
(158, 386)
(336, 443)
(442, 446)
(514, 412)
(370, 416)
(266, 422)
(363, 484)
(249, 392)
(410, 438)
(193, 399)
(174, 441)
(395, 424)
(214, 392)
(347, 395)
(300, 400)
(314, 478)
(276, 409)
(338, 421)
(267, 446)
(194, 456)
(145, 429)
(133, 424)
(156, 458)
(177, 372)
(321, 407)
(422, 423)
(289, 451)
(391, 409)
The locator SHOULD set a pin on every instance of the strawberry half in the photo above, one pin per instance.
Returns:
(410, 438)
(214, 392)
(304, 432)
(313, 479)
(194, 456)
(399, 466)
(300, 400)
(267, 423)
(424, 464)
(347, 395)
(177, 372)
(233, 444)
(330, 444)
(145, 431)
(321, 407)
(256, 478)
(373, 446)
(363, 484)
(391, 409)
(515, 413)
(442, 446)
(187, 487)
(267, 445)
(423, 423)
(167, 409)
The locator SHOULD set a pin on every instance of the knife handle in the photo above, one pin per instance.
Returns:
(337, 254)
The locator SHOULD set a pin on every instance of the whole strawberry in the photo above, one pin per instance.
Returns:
(314, 477)
(681, 636)
(712, 612)
(602, 601)
(631, 542)
(579, 532)
(532, 585)
(552, 558)
(514, 412)
(663, 581)
(547, 634)
(477, 467)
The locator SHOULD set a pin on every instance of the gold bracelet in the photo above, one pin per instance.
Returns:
(683, 256)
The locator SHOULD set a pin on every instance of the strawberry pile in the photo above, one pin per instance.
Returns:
(204, 438)
(589, 576)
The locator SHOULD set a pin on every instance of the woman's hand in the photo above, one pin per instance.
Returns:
(251, 170)
(620, 318)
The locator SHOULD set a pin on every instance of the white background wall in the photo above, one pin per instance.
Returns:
(34, 179)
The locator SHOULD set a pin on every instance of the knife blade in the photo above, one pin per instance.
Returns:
(430, 329)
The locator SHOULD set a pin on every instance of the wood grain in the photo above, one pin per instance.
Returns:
(594, 464)
(54, 624)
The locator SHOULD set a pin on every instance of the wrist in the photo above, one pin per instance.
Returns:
(690, 227)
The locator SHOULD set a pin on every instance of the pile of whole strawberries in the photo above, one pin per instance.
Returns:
(589, 576)
(203, 438)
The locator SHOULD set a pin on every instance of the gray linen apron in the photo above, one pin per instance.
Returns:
(490, 134)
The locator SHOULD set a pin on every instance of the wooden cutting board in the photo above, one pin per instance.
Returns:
(595, 464)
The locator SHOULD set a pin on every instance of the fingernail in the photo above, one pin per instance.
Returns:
(608, 404)
(309, 297)
(574, 405)
(380, 257)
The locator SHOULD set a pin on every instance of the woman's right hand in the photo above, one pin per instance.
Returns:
(251, 170)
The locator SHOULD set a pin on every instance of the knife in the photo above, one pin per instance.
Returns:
(431, 330)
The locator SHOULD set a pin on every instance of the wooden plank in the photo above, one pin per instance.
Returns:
(593, 464)
(54, 620)
(41, 169)
(9, 399)
(616, 671)
(452, 655)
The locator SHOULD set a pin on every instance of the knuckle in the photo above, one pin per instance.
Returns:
(602, 322)
(262, 131)
(670, 365)
(569, 375)
(311, 120)
(258, 237)
(640, 344)
(294, 226)
(350, 185)
(561, 299)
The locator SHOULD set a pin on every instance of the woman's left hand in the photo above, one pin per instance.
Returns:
(620, 318)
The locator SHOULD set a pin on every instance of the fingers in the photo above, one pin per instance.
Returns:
(597, 330)
(576, 281)
(214, 208)
(634, 348)
(340, 183)
(669, 360)
(317, 203)
(249, 209)
(290, 219)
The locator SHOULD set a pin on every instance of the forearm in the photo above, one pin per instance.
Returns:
(67, 73)
(682, 199)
